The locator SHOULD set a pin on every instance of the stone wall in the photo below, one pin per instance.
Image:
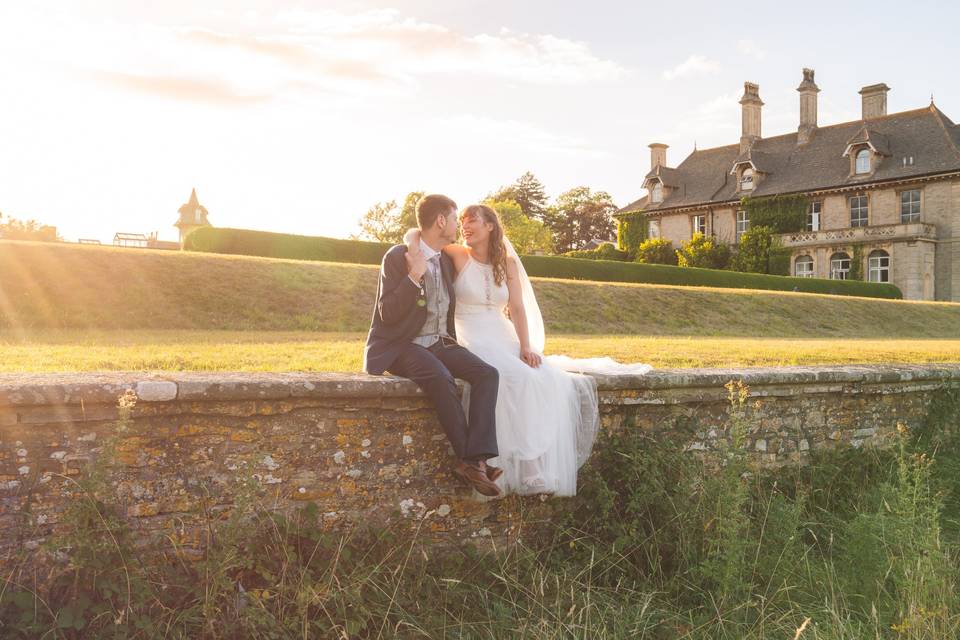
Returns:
(368, 449)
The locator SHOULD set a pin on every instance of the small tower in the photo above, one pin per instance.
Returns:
(193, 215)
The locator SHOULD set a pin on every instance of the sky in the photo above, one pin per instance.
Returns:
(298, 116)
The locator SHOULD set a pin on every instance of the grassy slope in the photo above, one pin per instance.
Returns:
(46, 286)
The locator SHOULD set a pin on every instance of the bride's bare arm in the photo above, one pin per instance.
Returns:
(412, 239)
(518, 315)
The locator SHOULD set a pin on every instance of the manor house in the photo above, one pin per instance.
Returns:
(889, 183)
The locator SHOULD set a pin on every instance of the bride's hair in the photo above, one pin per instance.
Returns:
(498, 250)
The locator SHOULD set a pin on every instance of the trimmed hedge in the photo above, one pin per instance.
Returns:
(605, 251)
(609, 271)
(284, 245)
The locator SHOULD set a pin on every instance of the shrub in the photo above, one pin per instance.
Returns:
(610, 271)
(753, 252)
(656, 251)
(856, 263)
(701, 251)
(284, 245)
(605, 251)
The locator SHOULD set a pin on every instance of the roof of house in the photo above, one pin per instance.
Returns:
(120, 235)
(704, 177)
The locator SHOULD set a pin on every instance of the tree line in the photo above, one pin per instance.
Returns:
(13, 229)
(572, 221)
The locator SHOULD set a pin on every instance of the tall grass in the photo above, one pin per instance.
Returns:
(659, 544)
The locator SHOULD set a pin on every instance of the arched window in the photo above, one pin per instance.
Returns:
(746, 180)
(863, 161)
(878, 266)
(657, 194)
(198, 216)
(839, 266)
(803, 267)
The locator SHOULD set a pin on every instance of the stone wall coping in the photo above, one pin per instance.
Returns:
(104, 388)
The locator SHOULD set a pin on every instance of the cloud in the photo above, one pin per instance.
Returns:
(750, 48)
(694, 65)
(210, 91)
(406, 47)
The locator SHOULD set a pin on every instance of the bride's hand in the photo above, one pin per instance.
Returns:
(412, 239)
(531, 357)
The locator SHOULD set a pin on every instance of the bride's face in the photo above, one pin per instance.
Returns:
(475, 230)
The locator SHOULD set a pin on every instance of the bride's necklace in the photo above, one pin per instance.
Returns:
(487, 284)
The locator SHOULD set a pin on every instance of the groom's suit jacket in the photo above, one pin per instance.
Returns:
(399, 314)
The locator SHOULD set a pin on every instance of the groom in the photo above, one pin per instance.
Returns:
(412, 335)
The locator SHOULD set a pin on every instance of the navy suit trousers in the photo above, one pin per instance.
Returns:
(434, 370)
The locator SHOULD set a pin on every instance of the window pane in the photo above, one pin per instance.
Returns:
(863, 161)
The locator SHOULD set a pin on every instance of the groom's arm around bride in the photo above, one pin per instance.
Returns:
(412, 334)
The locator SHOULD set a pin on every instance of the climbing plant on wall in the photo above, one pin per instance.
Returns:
(782, 214)
(856, 263)
(631, 231)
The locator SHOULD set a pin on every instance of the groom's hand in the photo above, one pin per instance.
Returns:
(531, 357)
(416, 265)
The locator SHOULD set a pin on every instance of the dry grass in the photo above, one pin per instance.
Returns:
(71, 350)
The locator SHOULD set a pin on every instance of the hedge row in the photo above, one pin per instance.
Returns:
(610, 271)
(284, 245)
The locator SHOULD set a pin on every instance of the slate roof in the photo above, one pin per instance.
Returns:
(926, 134)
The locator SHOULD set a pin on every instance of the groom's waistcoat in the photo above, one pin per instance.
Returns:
(400, 310)
(437, 305)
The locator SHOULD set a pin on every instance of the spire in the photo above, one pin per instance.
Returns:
(193, 198)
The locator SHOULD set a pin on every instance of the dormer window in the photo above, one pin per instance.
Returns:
(656, 195)
(746, 180)
(863, 161)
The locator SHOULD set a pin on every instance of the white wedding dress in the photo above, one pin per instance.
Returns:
(547, 417)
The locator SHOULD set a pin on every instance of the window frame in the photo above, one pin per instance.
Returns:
(745, 221)
(880, 267)
(748, 172)
(912, 216)
(653, 228)
(805, 259)
(834, 270)
(865, 209)
(656, 193)
(818, 218)
(693, 224)
(866, 154)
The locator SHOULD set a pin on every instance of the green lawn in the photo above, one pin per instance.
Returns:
(70, 350)
(83, 308)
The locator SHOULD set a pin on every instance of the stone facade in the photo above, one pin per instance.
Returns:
(369, 449)
(916, 150)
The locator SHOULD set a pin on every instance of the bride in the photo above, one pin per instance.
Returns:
(547, 416)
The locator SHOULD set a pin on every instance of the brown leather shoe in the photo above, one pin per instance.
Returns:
(476, 477)
(492, 472)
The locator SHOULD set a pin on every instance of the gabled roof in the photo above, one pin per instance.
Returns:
(926, 134)
(873, 139)
(667, 175)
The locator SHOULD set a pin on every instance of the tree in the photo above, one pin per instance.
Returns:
(13, 229)
(527, 235)
(528, 192)
(704, 252)
(578, 217)
(386, 222)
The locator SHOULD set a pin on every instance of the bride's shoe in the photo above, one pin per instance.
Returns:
(535, 484)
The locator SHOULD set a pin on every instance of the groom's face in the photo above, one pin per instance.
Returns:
(448, 226)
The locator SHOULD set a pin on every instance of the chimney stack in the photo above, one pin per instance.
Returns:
(874, 100)
(750, 109)
(808, 107)
(658, 155)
